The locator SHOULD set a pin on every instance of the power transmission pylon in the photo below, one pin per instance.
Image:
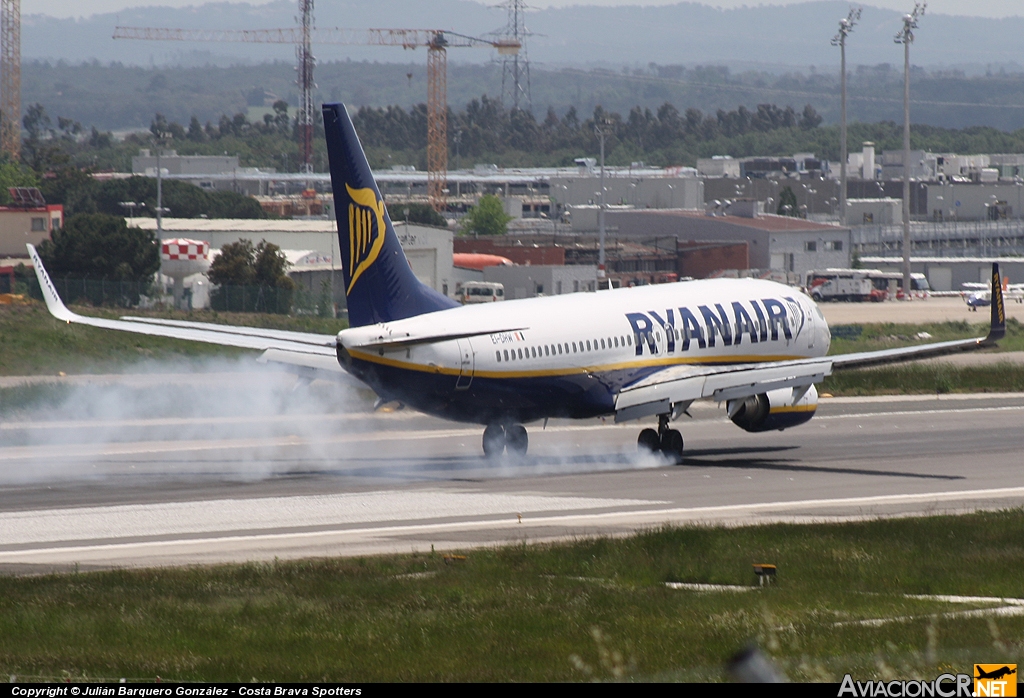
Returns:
(515, 67)
(436, 41)
(10, 77)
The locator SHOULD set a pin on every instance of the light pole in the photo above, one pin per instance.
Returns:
(131, 206)
(845, 27)
(601, 133)
(159, 197)
(906, 37)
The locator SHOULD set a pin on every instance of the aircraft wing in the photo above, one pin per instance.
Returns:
(656, 394)
(296, 351)
(676, 385)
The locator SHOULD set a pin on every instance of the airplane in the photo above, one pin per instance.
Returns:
(632, 353)
(978, 295)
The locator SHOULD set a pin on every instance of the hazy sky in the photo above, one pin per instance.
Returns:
(978, 8)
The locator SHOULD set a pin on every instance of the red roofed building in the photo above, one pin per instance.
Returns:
(27, 219)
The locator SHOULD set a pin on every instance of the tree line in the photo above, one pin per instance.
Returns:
(487, 127)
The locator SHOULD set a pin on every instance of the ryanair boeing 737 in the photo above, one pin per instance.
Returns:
(634, 353)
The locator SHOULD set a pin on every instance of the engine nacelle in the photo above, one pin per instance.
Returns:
(776, 409)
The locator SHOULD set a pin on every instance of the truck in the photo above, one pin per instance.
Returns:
(839, 285)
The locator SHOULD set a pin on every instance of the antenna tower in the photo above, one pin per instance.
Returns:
(10, 77)
(515, 68)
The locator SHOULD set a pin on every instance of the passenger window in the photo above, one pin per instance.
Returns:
(533, 352)
(602, 343)
(629, 340)
(506, 355)
(559, 348)
(497, 355)
(520, 353)
(588, 345)
(574, 347)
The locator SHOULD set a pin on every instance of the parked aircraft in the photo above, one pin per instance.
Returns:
(977, 295)
(632, 353)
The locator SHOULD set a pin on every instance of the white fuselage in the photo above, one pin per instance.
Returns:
(569, 355)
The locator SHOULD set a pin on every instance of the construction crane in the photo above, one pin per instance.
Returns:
(436, 41)
(10, 77)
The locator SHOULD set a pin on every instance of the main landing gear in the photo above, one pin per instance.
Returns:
(499, 437)
(667, 442)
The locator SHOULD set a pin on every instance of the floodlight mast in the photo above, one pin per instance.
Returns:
(906, 37)
(845, 27)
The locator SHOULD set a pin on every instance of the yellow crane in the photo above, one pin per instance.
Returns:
(10, 77)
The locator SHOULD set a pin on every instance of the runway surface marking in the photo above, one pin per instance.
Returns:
(305, 539)
(177, 518)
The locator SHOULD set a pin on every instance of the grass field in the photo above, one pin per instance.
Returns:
(592, 609)
(931, 378)
(34, 343)
(870, 337)
(922, 378)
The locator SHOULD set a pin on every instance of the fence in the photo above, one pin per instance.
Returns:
(98, 292)
(252, 299)
(129, 294)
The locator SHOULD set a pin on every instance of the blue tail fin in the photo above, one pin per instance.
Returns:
(379, 282)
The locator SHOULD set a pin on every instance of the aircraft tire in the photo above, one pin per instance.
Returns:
(494, 440)
(672, 446)
(517, 440)
(648, 441)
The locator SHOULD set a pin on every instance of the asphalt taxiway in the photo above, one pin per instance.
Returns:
(169, 490)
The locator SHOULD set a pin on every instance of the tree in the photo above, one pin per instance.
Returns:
(422, 214)
(486, 218)
(810, 118)
(235, 265)
(14, 175)
(100, 246)
(787, 203)
(243, 264)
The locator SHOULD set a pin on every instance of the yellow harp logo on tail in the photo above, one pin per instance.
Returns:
(997, 298)
(365, 231)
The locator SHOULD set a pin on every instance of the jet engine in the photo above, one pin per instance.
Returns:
(776, 409)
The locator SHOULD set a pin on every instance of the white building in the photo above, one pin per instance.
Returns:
(429, 249)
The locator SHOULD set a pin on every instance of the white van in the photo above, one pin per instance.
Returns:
(481, 292)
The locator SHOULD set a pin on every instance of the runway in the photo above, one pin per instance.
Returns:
(271, 481)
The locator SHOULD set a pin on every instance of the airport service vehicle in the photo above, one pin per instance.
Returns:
(647, 352)
(888, 285)
(481, 292)
(839, 285)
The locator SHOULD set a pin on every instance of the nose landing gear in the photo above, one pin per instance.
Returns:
(498, 438)
(668, 442)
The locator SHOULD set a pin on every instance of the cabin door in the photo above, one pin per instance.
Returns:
(466, 364)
